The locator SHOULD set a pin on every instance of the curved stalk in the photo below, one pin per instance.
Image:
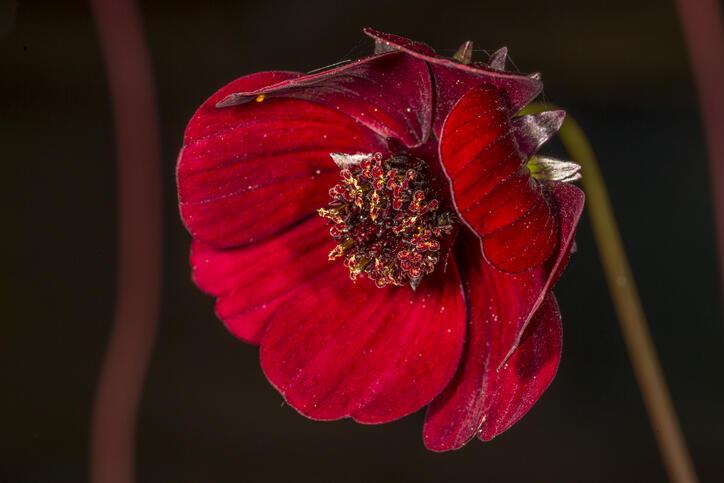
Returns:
(631, 318)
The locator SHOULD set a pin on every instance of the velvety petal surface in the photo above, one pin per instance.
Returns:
(390, 93)
(491, 187)
(453, 79)
(251, 282)
(527, 374)
(496, 399)
(248, 171)
(342, 349)
(489, 392)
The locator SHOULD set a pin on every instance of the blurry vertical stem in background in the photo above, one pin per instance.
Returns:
(121, 379)
(704, 32)
(628, 306)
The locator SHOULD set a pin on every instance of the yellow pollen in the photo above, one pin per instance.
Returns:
(356, 265)
(260, 98)
(339, 250)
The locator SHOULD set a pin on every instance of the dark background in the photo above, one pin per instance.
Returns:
(208, 415)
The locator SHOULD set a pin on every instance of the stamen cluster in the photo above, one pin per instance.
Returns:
(387, 224)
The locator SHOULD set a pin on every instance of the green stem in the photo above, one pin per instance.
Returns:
(631, 318)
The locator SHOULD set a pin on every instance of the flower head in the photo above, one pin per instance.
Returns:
(385, 231)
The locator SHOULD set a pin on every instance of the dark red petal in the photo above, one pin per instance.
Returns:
(248, 171)
(453, 79)
(527, 242)
(343, 349)
(501, 308)
(525, 291)
(528, 373)
(251, 282)
(208, 119)
(485, 402)
(491, 187)
(390, 93)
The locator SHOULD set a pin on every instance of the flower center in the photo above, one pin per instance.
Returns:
(385, 219)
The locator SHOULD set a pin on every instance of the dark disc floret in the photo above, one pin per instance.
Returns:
(387, 222)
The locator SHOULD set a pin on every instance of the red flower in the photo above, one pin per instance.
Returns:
(430, 196)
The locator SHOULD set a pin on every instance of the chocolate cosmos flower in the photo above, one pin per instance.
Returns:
(385, 232)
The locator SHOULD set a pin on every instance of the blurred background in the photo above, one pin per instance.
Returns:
(620, 67)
